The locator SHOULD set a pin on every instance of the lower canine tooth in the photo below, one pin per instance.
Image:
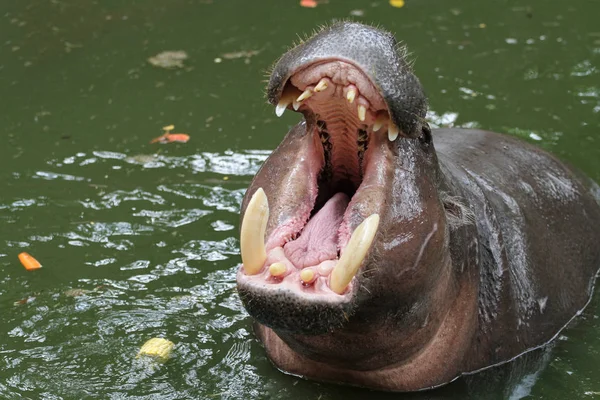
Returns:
(392, 132)
(252, 236)
(354, 254)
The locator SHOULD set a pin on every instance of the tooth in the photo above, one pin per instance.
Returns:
(362, 112)
(351, 95)
(305, 95)
(281, 106)
(252, 236)
(277, 269)
(322, 85)
(379, 122)
(326, 267)
(392, 131)
(307, 275)
(354, 254)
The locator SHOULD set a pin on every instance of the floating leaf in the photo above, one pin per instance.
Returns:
(397, 3)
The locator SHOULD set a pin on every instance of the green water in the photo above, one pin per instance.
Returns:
(150, 230)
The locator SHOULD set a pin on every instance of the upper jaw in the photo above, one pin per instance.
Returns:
(315, 88)
(372, 51)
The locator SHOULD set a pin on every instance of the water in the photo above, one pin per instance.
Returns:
(147, 233)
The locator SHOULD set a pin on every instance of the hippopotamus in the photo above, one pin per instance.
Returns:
(380, 253)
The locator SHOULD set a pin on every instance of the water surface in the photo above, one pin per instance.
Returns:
(147, 233)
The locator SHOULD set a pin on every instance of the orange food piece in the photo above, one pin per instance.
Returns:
(160, 139)
(171, 137)
(308, 3)
(29, 262)
(177, 137)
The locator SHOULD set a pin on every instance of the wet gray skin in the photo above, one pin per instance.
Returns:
(487, 246)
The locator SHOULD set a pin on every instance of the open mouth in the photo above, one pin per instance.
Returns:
(320, 250)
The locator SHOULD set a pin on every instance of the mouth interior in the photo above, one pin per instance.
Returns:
(346, 117)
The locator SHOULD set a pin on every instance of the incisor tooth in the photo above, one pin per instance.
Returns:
(252, 235)
(362, 112)
(354, 254)
(277, 269)
(351, 95)
(307, 275)
(322, 85)
(392, 131)
(281, 106)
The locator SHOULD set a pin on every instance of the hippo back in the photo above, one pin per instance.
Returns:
(538, 244)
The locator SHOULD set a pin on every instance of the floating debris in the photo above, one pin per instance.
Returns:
(169, 59)
(240, 54)
(24, 301)
(76, 292)
(158, 348)
(29, 262)
(308, 3)
(397, 3)
(172, 137)
(169, 137)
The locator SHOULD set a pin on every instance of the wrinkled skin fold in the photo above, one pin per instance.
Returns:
(393, 257)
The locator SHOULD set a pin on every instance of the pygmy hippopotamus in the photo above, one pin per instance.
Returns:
(379, 253)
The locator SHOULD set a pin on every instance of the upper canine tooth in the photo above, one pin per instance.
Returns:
(252, 235)
(322, 85)
(281, 106)
(362, 112)
(392, 131)
(354, 254)
(351, 95)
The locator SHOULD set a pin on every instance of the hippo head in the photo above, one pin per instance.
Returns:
(344, 236)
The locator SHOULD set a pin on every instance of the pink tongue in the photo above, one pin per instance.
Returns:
(318, 240)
